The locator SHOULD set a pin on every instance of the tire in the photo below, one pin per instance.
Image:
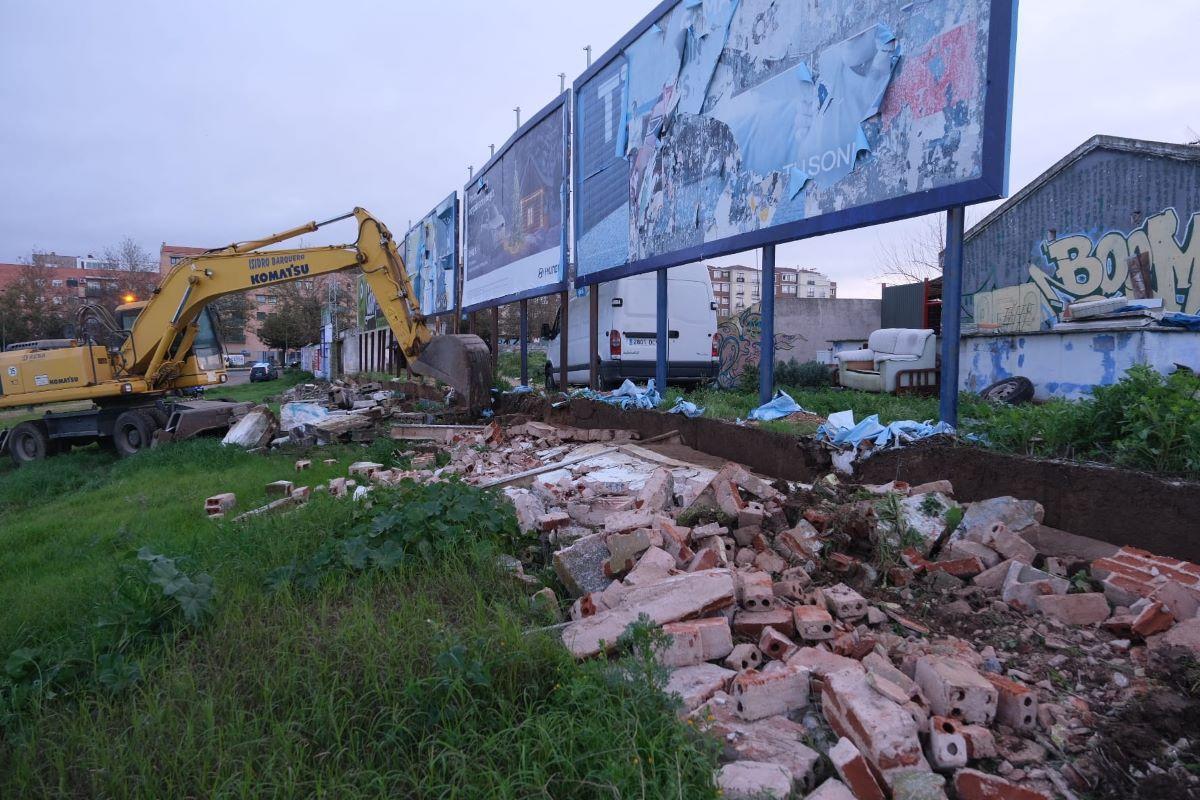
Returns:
(1010, 391)
(28, 442)
(132, 433)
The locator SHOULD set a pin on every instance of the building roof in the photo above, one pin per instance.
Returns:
(1141, 147)
(10, 273)
(181, 250)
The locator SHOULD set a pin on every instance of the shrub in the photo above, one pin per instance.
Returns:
(748, 380)
(809, 373)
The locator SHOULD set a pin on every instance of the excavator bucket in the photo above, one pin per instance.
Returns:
(463, 361)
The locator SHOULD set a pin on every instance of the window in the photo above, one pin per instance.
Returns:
(57, 300)
(272, 299)
(260, 315)
(811, 282)
(260, 298)
(789, 290)
(789, 278)
(812, 292)
(741, 279)
(56, 282)
(175, 260)
(754, 294)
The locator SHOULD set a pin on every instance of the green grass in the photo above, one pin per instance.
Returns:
(69, 520)
(430, 680)
(261, 391)
(509, 367)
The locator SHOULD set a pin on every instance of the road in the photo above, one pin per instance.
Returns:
(237, 377)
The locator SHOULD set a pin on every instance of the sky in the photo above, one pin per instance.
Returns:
(206, 122)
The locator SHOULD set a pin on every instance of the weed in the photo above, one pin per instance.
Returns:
(808, 374)
(931, 506)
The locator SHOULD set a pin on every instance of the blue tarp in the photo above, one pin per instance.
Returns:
(781, 406)
(687, 408)
(627, 396)
(842, 431)
(1177, 320)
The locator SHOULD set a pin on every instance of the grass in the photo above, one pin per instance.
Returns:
(261, 391)
(435, 679)
(508, 367)
(69, 520)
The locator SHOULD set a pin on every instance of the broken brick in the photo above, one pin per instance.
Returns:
(854, 770)
(845, 603)
(751, 624)
(697, 683)
(970, 784)
(553, 520)
(744, 657)
(754, 780)
(947, 746)
(1016, 703)
(765, 693)
(219, 504)
(303, 464)
(812, 623)
(755, 591)
(955, 690)
(280, 489)
(1086, 608)
(884, 732)
(775, 644)
(1154, 618)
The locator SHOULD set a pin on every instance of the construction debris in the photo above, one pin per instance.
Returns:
(926, 647)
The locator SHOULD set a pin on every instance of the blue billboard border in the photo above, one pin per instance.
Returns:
(561, 284)
(457, 251)
(992, 185)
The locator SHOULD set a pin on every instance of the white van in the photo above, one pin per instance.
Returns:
(628, 330)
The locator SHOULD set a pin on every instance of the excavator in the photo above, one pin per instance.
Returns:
(158, 349)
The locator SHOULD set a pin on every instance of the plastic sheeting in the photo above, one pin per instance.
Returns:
(293, 415)
(842, 431)
(687, 408)
(781, 406)
(627, 396)
(1178, 320)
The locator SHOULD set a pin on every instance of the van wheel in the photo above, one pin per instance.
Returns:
(28, 442)
(551, 384)
(132, 433)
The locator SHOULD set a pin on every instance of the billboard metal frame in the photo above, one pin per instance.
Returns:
(561, 284)
(991, 185)
(454, 294)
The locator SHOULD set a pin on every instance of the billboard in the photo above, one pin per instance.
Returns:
(514, 215)
(721, 125)
(431, 256)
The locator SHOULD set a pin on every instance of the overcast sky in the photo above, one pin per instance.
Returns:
(201, 123)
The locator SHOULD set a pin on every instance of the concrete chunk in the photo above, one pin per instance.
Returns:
(697, 683)
(670, 600)
(1087, 608)
(955, 690)
(754, 780)
(581, 566)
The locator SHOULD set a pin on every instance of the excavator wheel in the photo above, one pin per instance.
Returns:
(133, 432)
(29, 442)
(461, 360)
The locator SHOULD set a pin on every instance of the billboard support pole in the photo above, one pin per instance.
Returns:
(495, 339)
(661, 334)
(951, 313)
(594, 336)
(564, 304)
(766, 359)
(524, 307)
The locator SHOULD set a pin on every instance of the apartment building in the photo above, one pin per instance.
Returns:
(737, 287)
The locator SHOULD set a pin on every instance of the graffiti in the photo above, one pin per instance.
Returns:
(739, 343)
(1079, 267)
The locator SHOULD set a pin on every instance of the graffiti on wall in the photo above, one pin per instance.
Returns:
(1155, 259)
(739, 343)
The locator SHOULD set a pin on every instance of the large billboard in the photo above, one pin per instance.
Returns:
(431, 256)
(514, 215)
(720, 125)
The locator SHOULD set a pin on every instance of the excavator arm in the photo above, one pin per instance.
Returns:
(161, 335)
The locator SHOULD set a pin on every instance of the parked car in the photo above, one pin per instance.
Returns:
(628, 330)
(263, 371)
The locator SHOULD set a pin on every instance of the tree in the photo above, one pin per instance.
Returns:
(28, 309)
(296, 320)
(919, 256)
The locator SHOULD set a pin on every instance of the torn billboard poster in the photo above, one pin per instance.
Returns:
(515, 220)
(431, 256)
(720, 125)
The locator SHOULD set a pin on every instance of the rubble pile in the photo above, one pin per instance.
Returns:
(315, 414)
(850, 641)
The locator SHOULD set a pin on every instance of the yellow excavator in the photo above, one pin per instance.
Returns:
(164, 345)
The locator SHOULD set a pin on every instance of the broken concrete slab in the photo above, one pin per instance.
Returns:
(256, 429)
(776, 739)
(1085, 608)
(580, 566)
(754, 780)
(670, 600)
(697, 683)
(1015, 514)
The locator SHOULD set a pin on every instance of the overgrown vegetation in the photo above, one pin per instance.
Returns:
(1144, 421)
(508, 368)
(433, 677)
